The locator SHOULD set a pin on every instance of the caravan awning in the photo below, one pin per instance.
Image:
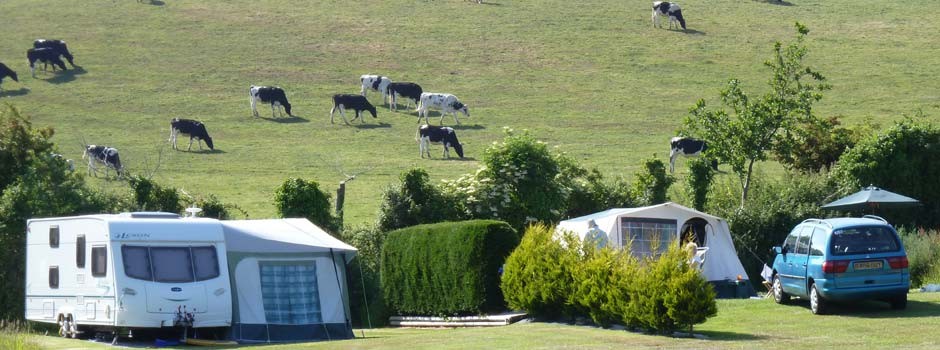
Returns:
(281, 236)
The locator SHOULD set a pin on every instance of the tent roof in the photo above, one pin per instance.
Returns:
(280, 236)
(640, 211)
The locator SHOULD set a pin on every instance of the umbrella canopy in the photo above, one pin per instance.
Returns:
(872, 197)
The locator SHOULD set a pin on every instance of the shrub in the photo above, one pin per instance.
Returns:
(301, 198)
(589, 194)
(601, 284)
(538, 276)
(214, 208)
(365, 292)
(652, 183)
(414, 201)
(700, 178)
(447, 268)
(690, 299)
(150, 196)
(903, 159)
(923, 254)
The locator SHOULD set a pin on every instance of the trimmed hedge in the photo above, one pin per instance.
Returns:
(449, 268)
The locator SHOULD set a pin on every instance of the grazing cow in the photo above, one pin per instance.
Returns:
(686, 146)
(45, 55)
(57, 45)
(447, 103)
(195, 129)
(377, 83)
(107, 156)
(411, 91)
(663, 8)
(273, 95)
(355, 102)
(7, 72)
(428, 134)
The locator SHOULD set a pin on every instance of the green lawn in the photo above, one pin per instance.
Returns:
(740, 324)
(590, 77)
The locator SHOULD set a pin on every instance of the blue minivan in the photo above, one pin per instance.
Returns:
(842, 259)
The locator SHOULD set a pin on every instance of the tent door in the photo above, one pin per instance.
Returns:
(696, 230)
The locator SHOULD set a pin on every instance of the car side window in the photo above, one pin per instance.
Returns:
(790, 244)
(802, 244)
(817, 245)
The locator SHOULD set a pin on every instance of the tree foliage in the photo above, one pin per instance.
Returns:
(652, 183)
(302, 198)
(151, 196)
(414, 201)
(748, 127)
(700, 179)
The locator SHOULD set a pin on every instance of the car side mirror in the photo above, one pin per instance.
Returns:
(779, 250)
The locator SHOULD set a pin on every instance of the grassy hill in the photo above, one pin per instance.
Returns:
(590, 77)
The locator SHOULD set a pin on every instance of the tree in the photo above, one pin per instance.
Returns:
(700, 178)
(757, 125)
(301, 198)
(652, 183)
(415, 201)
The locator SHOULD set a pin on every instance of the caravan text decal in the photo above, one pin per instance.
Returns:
(125, 235)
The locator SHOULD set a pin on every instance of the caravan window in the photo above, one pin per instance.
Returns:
(205, 263)
(53, 277)
(99, 261)
(54, 236)
(80, 251)
(137, 262)
(171, 264)
(649, 237)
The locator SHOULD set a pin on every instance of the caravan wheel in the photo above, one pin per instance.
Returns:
(65, 326)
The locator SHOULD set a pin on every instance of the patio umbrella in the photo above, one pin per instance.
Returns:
(872, 198)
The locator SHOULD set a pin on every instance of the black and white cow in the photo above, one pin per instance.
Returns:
(107, 156)
(428, 134)
(273, 95)
(7, 72)
(410, 91)
(447, 103)
(377, 83)
(195, 129)
(663, 8)
(57, 45)
(44, 55)
(357, 103)
(688, 147)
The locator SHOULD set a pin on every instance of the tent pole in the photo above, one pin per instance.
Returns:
(365, 299)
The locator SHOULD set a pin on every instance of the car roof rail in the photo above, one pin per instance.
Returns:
(875, 217)
(818, 221)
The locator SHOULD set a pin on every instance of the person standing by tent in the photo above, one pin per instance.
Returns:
(595, 236)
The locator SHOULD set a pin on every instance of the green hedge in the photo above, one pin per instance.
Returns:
(449, 268)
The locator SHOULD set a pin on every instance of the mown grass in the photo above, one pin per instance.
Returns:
(590, 77)
(740, 324)
(16, 336)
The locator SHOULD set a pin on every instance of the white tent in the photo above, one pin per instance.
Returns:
(289, 281)
(666, 223)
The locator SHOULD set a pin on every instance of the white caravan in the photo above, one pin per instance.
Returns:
(130, 270)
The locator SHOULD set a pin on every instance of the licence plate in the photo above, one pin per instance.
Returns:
(868, 265)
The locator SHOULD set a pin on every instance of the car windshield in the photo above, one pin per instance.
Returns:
(863, 240)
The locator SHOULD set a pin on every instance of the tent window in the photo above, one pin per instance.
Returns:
(205, 263)
(171, 264)
(649, 237)
(290, 293)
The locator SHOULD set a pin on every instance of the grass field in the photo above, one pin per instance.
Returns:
(590, 77)
(740, 324)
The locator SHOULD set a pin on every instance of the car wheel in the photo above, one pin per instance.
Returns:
(816, 302)
(899, 303)
(780, 297)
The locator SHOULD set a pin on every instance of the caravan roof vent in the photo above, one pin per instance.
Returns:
(151, 215)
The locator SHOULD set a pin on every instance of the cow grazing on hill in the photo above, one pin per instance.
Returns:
(45, 55)
(7, 72)
(354, 102)
(377, 83)
(428, 134)
(410, 91)
(688, 147)
(57, 45)
(447, 103)
(663, 8)
(273, 95)
(195, 129)
(107, 156)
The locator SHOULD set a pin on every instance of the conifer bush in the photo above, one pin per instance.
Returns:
(538, 275)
